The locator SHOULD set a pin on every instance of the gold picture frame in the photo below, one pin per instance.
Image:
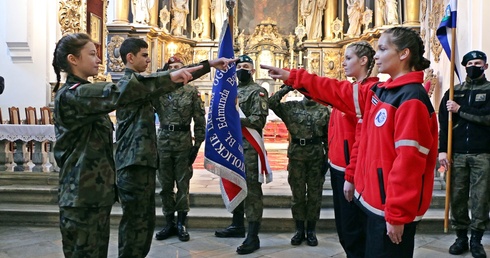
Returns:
(95, 28)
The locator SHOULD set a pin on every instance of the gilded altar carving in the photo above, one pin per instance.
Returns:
(115, 61)
(337, 29)
(183, 50)
(430, 79)
(314, 62)
(200, 55)
(69, 16)
(165, 18)
(197, 27)
(266, 32)
(423, 25)
(434, 19)
(331, 63)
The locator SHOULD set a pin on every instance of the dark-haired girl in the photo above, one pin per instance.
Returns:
(83, 148)
(394, 157)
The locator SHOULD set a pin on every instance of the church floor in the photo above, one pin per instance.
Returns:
(45, 242)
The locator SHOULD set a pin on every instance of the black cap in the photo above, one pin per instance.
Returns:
(245, 59)
(472, 55)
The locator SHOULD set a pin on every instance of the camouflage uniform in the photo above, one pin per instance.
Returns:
(252, 100)
(84, 152)
(136, 164)
(470, 177)
(307, 123)
(176, 110)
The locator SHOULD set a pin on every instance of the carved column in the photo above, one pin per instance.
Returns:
(154, 14)
(330, 15)
(204, 13)
(122, 11)
(70, 18)
(378, 18)
(412, 12)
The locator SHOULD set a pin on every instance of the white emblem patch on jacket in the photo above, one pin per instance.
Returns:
(380, 117)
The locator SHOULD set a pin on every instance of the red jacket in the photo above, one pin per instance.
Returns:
(397, 149)
(342, 130)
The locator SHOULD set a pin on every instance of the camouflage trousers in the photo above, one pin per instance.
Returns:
(470, 180)
(254, 205)
(85, 231)
(174, 170)
(306, 181)
(136, 189)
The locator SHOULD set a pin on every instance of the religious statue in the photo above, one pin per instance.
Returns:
(312, 13)
(241, 41)
(141, 10)
(390, 11)
(180, 9)
(164, 18)
(354, 12)
(219, 13)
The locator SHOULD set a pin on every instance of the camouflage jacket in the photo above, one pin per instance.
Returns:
(135, 132)
(303, 121)
(84, 141)
(179, 108)
(252, 100)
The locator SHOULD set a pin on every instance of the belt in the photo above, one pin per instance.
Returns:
(303, 142)
(183, 128)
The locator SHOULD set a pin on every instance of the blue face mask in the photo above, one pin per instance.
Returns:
(474, 72)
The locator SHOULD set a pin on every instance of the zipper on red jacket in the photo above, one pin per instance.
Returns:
(382, 192)
(422, 192)
(346, 152)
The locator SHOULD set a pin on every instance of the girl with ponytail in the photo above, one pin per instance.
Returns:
(358, 63)
(394, 156)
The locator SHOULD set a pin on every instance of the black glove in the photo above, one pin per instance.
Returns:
(193, 154)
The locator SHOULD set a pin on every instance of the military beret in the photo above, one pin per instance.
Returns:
(174, 59)
(472, 55)
(245, 59)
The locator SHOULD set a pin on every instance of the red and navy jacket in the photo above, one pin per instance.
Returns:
(397, 149)
(342, 130)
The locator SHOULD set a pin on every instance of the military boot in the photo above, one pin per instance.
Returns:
(311, 239)
(461, 244)
(252, 241)
(236, 229)
(476, 247)
(299, 236)
(169, 230)
(181, 229)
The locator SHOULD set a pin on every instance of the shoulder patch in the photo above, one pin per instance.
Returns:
(74, 86)
(261, 94)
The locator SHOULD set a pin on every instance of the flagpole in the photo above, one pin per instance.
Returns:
(231, 6)
(450, 132)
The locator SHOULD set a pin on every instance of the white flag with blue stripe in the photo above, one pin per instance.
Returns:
(444, 34)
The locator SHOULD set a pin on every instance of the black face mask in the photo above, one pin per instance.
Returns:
(243, 75)
(474, 72)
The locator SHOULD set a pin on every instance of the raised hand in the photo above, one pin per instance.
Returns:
(275, 72)
(221, 63)
(184, 75)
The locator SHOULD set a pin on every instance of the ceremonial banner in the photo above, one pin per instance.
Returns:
(223, 152)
